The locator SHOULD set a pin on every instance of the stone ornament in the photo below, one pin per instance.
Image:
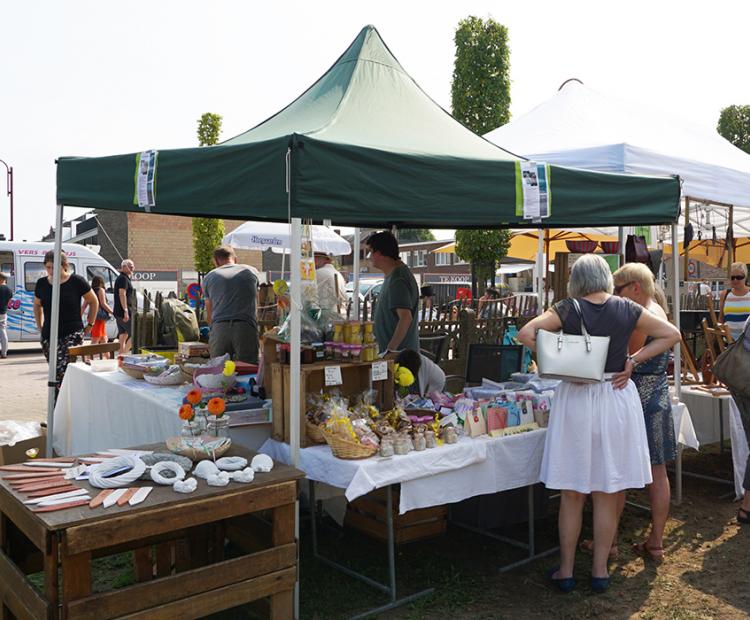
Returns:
(231, 463)
(185, 486)
(167, 473)
(262, 463)
(204, 469)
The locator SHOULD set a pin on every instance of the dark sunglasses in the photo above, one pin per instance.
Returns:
(737, 277)
(619, 289)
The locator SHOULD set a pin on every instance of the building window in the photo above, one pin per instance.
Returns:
(420, 258)
(406, 258)
(458, 261)
(442, 259)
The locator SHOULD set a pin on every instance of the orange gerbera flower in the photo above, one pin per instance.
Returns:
(216, 406)
(187, 413)
(194, 397)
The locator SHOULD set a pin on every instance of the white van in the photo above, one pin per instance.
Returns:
(24, 264)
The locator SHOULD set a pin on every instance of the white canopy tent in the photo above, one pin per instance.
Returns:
(277, 237)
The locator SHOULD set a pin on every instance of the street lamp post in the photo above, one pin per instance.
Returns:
(9, 182)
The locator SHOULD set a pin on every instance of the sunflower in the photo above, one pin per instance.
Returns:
(187, 413)
(194, 396)
(216, 406)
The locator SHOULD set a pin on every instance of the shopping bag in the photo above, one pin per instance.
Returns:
(732, 367)
(497, 418)
(475, 424)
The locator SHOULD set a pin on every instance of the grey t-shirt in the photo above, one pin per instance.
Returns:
(615, 318)
(232, 290)
(399, 290)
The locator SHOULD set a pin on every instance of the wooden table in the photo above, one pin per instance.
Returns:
(178, 543)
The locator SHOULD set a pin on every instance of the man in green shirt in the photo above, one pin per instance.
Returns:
(396, 319)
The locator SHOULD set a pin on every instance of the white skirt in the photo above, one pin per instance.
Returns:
(596, 439)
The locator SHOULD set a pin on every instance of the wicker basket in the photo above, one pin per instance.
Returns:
(197, 448)
(176, 378)
(347, 449)
(132, 372)
(315, 433)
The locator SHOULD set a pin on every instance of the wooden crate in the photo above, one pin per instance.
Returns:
(367, 514)
(356, 378)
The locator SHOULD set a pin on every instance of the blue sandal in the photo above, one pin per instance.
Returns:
(600, 584)
(564, 584)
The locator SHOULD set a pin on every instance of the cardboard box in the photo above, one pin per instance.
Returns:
(16, 453)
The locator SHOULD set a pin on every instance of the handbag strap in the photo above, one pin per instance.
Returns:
(585, 333)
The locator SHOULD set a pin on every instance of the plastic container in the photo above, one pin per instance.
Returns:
(345, 352)
(103, 365)
(328, 349)
(355, 352)
(338, 332)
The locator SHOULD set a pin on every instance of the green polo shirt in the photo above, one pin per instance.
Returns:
(399, 290)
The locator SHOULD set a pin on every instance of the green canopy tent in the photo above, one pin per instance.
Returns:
(364, 145)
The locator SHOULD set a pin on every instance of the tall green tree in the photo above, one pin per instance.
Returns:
(480, 97)
(734, 125)
(480, 93)
(207, 232)
(483, 249)
(415, 234)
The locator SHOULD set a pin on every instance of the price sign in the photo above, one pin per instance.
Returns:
(333, 375)
(380, 371)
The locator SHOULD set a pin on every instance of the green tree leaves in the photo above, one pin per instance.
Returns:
(207, 232)
(480, 93)
(415, 234)
(483, 249)
(734, 125)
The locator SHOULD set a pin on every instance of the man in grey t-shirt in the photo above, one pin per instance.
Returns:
(230, 292)
(396, 319)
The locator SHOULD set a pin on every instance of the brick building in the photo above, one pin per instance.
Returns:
(161, 246)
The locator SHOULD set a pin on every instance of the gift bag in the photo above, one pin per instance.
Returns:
(527, 412)
(497, 418)
(475, 424)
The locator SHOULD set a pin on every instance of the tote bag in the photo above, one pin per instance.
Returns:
(580, 359)
(732, 367)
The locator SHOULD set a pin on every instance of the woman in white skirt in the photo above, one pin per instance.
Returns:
(596, 440)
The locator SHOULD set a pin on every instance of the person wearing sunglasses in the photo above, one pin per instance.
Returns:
(735, 301)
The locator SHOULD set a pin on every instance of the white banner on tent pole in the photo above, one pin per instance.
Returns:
(534, 198)
(145, 179)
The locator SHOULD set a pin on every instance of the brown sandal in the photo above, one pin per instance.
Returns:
(655, 554)
(587, 546)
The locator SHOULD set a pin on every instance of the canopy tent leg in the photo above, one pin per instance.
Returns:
(356, 267)
(546, 268)
(539, 267)
(676, 312)
(54, 329)
(621, 244)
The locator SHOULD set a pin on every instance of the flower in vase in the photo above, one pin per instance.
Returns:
(216, 406)
(187, 413)
(194, 396)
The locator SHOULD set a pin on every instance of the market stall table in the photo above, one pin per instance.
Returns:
(447, 474)
(101, 410)
(204, 581)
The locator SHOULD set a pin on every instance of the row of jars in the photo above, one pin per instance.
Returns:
(343, 352)
(354, 332)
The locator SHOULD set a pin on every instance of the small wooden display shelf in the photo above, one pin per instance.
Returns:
(178, 543)
(367, 514)
(356, 377)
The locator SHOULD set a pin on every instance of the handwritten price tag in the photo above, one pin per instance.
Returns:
(380, 371)
(333, 375)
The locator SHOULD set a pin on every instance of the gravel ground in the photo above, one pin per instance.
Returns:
(23, 380)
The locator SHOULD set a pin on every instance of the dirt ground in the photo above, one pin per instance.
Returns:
(704, 575)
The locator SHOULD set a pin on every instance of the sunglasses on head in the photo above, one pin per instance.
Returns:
(737, 277)
(622, 287)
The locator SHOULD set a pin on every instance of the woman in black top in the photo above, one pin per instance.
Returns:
(73, 290)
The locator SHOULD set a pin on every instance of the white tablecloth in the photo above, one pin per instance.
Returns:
(683, 426)
(101, 410)
(739, 447)
(449, 473)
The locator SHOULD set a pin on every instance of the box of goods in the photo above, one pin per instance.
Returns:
(355, 378)
(193, 349)
(20, 441)
(367, 514)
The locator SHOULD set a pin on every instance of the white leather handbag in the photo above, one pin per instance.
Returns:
(569, 357)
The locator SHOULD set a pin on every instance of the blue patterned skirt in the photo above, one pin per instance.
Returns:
(657, 412)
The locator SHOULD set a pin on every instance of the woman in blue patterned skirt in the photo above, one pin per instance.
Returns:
(635, 281)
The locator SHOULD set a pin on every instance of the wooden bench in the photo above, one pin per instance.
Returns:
(94, 351)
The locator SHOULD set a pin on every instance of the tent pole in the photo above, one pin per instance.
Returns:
(294, 339)
(730, 247)
(685, 247)
(355, 268)
(539, 266)
(54, 330)
(621, 244)
(546, 268)
(676, 312)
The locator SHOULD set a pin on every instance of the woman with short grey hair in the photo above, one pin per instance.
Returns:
(596, 440)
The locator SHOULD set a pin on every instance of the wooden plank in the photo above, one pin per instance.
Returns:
(284, 518)
(181, 556)
(146, 596)
(143, 564)
(282, 605)
(17, 593)
(164, 559)
(22, 518)
(277, 398)
(51, 583)
(198, 540)
(420, 531)
(126, 526)
(76, 577)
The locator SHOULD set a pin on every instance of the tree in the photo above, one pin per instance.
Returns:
(480, 93)
(207, 232)
(415, 234)
(480, 96)
(483, 249)
(734, 125)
